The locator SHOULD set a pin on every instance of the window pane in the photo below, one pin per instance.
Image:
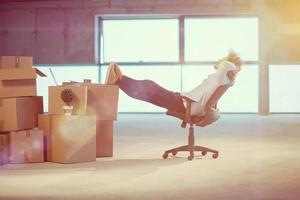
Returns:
(208, 39)
(242, 97)
(63, 74)
(159, 74)
(140, 40)
(284, 88)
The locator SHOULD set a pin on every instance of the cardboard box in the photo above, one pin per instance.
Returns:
(3, 149)
(96, 99)
(56, 103)
(104, 138)
(103, 101)
(20, 113)
(44, 124)
(26, 146)
(18, 82)
(73, 138)
(15, 61)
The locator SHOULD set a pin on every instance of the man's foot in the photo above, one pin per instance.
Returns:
(118, 72)
(113, 74)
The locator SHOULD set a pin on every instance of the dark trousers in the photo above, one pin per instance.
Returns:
(149, 91)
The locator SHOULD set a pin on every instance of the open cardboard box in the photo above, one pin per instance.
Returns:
(20, 113)
(18, 82)
(91, 99)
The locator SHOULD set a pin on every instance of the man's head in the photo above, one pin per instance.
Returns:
(231, 57)
(234, 61)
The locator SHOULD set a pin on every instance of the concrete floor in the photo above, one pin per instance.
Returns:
(259, 159)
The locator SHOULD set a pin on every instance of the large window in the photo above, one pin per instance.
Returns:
(208, 39)
(284, 88)
(140, 40)
(151, 48)
(143, 48)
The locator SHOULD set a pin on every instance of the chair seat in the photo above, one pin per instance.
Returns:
(201, 121)
(194, 119)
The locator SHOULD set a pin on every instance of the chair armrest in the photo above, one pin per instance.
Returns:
(188, 111)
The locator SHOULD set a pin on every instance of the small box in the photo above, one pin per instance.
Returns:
(20, 113)
(8, 62)
(44, 124)
(3, 149)
(18, 82)
(104, 138)
(26, 146)
(73, 138)
(100, 100)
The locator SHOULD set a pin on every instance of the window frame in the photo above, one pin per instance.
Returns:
(182, 61)
(181, 45)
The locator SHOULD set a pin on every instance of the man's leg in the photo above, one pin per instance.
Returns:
(149, 91)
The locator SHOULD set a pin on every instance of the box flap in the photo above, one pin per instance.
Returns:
(40, 73)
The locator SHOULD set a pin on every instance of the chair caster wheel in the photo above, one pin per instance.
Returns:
(165, 156)
(174, 153)
(203, 153)
(215, 155)
(190, 157)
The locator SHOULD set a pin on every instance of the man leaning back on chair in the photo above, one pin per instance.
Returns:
(149, 91)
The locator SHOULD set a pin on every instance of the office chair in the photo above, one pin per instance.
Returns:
(211, 115)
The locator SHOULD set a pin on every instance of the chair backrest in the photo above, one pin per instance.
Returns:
(215, 97)
(211, 113)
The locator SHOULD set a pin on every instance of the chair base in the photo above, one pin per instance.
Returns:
(191, 149)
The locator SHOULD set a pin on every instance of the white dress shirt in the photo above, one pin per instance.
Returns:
(201, 94)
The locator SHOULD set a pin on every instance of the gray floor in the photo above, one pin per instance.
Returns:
(259, 159)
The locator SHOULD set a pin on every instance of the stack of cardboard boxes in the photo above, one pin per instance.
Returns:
(60, 137)
(88, 132)
(20, 141)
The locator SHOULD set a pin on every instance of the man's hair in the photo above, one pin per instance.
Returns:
(234, 58)
(231, 57)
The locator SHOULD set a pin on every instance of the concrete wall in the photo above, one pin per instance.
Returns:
(63, 31)
(50, 35)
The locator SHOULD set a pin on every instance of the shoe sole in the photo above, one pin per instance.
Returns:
(109, 70)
